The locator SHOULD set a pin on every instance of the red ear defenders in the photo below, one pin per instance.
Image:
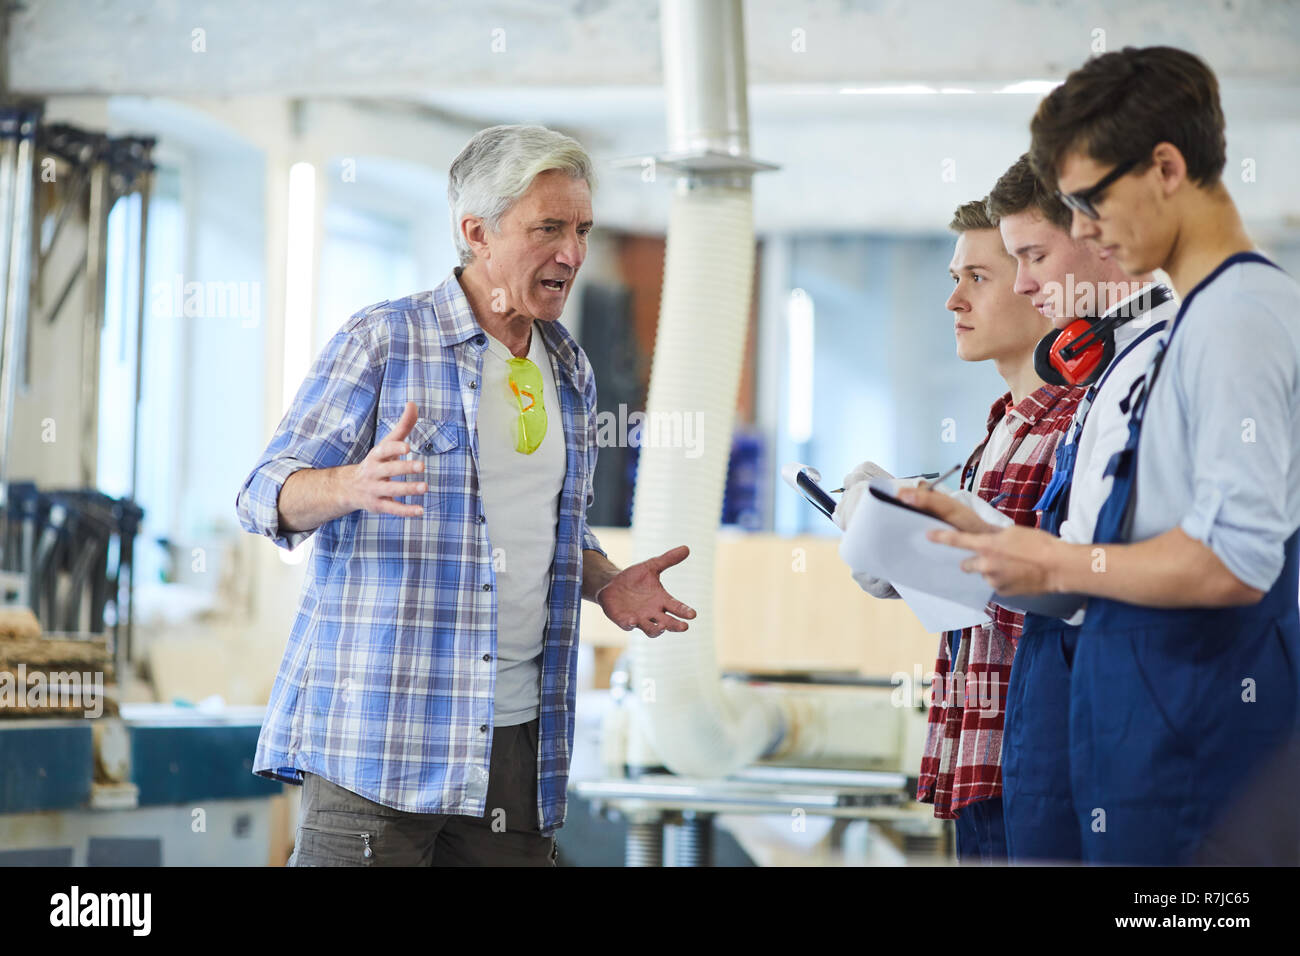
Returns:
(1077, 354)
(1080, 352)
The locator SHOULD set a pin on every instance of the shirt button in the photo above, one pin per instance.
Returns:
(481, 519)
(487, 657)
(482, 728)
(487, 587)
(473, 384)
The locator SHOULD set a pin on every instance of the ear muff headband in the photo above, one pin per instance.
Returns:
(1077, 354)
(1081, 352)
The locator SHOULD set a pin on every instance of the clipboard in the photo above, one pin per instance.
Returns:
(887, 539)
(816, 495)
(804, 479)
(890, 499)
(891, 544)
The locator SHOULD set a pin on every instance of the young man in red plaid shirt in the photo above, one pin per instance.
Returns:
(961, 771)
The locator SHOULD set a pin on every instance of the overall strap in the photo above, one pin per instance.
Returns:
(1154, 330)
(1057, 492)
(1116, 512)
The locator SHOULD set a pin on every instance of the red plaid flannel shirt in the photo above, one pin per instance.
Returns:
(962, 762)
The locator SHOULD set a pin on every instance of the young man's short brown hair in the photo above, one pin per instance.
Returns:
(971, 215)
(1118, 106)
(1018, 189)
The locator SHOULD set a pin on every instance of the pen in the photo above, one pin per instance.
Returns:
(946, 474)
(926, 475)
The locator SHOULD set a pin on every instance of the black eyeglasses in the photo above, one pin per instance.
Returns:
(1083, 199)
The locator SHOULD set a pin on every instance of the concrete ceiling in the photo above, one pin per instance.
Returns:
(417, 47)
(854, 155)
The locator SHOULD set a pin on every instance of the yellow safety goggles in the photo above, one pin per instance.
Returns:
(526, 383)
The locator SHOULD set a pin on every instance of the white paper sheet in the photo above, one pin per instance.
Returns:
(937, 614)
(889, 542)
(886, 541)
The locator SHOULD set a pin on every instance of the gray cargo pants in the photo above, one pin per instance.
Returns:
(339, 828)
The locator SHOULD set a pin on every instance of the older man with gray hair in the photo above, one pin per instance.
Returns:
(426, 697)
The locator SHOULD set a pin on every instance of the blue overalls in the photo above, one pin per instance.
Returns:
(1172, 711)
(1038, 811)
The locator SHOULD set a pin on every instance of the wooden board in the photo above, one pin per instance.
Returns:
(788, 603)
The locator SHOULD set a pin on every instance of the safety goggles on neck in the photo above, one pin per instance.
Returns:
(1084, 200)
(526, 384)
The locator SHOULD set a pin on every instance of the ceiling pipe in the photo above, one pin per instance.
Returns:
(696, 723)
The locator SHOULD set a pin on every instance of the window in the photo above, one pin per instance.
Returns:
(366, 258)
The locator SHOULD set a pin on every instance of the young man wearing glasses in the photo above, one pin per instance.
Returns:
(1186, 676)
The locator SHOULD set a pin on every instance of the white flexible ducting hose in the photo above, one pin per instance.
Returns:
(698, 724)
(695, 723)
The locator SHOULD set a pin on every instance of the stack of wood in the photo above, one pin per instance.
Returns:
(47, 677)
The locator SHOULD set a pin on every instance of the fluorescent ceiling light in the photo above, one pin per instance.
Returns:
(905, 89)
(799, 316)
(298, 277)
(1041, 87)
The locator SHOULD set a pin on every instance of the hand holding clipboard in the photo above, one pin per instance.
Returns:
(805, 480)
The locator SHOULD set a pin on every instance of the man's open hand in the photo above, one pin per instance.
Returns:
(369, 485)
(635, 598)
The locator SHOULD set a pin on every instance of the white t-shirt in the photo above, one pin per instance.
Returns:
(999, 441)
(1105, 429)
(521, 497)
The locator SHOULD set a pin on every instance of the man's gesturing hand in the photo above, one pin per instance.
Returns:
(369, 485)
(635, 598)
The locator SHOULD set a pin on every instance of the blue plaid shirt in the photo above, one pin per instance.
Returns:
(387, 683)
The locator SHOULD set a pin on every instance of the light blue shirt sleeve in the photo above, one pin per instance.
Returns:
(1238, 392)
(330, 423)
